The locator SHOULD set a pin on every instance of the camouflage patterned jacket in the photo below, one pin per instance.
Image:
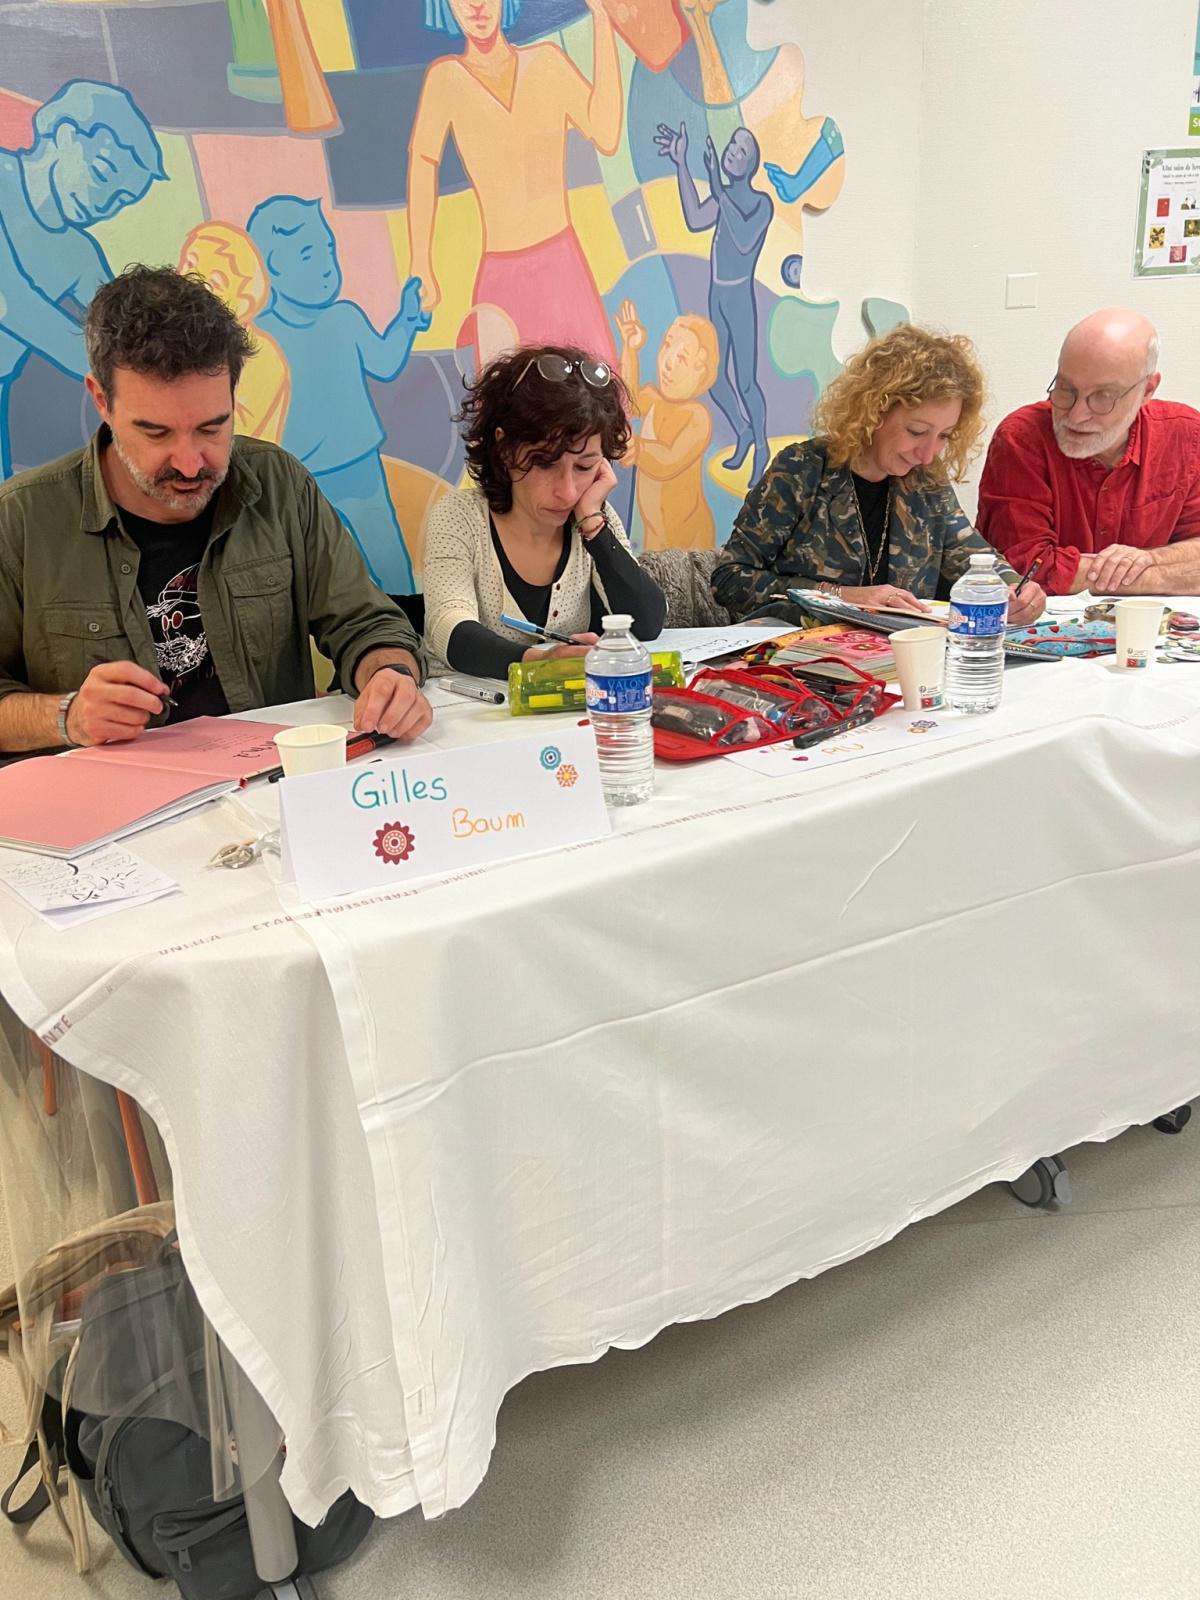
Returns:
(800, 526)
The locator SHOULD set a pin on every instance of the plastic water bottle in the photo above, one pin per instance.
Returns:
(619, 688)
(975, 649)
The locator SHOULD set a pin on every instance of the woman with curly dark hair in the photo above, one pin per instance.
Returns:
(534, 538)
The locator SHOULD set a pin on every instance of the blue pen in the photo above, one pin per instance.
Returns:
(520, 624)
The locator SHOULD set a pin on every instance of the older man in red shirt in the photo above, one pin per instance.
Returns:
(1099, 484)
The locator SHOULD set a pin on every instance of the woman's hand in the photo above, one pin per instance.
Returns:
(885, 594)
(583, 642)
(1029, 607)
(597, 492)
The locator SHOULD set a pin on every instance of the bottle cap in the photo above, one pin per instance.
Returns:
(619, 622)
(983, 560)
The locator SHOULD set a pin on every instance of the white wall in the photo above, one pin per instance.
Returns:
(863, 60)
(1035, 116)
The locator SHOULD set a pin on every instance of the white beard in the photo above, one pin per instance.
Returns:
(1096, 444)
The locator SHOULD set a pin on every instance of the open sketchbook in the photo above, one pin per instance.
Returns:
(65, 804)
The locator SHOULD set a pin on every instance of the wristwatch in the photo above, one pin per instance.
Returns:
(395, 666)
(64, 707)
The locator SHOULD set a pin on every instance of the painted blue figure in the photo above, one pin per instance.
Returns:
(93, 153)
(739, 215)
(331, 347)
(790, 186)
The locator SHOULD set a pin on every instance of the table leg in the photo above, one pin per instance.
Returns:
(272, 1535)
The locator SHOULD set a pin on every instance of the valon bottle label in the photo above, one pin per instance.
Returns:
(978, 621)
(628, 692)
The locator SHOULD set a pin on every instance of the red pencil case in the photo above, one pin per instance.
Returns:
(736, 708)
(847, 698)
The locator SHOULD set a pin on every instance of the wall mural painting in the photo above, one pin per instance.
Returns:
(389, 195)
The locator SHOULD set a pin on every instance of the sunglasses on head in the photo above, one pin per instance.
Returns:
(557, 369)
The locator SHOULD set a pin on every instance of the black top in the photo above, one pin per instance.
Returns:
(474, 649)
(533, 598)
(167, 582)
(873, 507)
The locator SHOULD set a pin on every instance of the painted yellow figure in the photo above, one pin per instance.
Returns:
(227, 260)
(718, 91)
(675, 432)
(509, 110)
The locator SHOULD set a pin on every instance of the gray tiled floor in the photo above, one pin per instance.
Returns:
(1000, 1403)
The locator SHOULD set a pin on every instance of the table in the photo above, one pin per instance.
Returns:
(429, 1141)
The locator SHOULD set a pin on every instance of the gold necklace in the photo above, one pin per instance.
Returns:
(870, 569)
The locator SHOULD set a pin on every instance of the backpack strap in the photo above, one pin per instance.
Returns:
(37, 1502)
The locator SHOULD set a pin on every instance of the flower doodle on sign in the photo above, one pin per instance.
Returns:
(394, 842)
(567, 776)
(551, 757)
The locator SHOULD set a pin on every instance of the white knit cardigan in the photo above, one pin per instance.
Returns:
(464, 583)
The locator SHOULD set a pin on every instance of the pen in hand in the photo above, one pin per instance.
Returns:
(521, 626)
(1032, 570)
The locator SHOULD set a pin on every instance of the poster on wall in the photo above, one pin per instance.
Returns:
(1194, 114)
(1168, 224)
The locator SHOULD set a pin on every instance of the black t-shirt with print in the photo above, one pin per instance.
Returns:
(167, 574)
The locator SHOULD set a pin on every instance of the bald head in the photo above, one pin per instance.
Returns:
(1107, 369)
(1124, 342)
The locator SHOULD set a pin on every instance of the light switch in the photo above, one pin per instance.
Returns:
(1021, 291)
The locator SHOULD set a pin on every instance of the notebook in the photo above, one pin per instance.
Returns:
(833, 652)
(888, 621)
(66, 804)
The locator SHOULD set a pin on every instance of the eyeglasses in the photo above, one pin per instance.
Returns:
(1100, 402)
(557, 369)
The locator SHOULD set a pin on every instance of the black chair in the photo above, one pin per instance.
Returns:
(413, 607)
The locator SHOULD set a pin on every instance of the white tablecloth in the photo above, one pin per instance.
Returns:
(429, 1141)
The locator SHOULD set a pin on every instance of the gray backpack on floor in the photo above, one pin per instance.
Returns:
(134, 1440)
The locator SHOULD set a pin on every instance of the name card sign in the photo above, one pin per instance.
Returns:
(380, 824)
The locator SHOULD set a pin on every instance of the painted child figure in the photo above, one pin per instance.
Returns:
(676, 429)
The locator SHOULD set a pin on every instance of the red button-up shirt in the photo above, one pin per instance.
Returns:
(1036, 502)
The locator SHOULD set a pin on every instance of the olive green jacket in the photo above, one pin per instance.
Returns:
(800, 526)
(278, 567)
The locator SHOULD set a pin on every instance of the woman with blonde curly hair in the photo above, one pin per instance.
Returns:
(865, 508)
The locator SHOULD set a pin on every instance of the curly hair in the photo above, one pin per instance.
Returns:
(514, 419)
(906, 367)
(162, 324)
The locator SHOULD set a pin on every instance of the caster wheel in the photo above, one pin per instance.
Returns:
(1045, 1183)
(1174, 1121)
(290, 1589)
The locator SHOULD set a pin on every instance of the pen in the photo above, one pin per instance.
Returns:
(1026, 578)
(520, 624)
(819, 734)
(471, 691)
(356, 745)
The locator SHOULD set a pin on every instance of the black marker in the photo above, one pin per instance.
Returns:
(818, 735)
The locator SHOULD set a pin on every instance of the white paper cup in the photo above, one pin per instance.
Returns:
(921, 667)
(319, 747)
(1138, 622)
